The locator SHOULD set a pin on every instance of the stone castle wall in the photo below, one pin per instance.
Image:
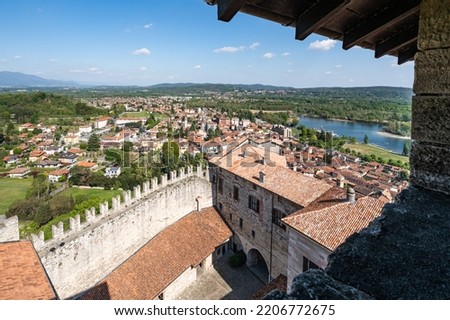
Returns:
(9, 229)
(79, 258)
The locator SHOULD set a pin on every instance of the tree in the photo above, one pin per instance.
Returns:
(40, 187)
(127, 146)
(93, 143)
(406, 149)
(366, 139)
(9, 128)
(170, 155)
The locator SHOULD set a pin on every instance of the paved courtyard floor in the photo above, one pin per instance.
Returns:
(222, 282)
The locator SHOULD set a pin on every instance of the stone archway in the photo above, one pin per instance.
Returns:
(257, 264)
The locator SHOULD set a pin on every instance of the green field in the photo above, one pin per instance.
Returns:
(142, 114)
(104, 195)
(369, 149)
(12, 190)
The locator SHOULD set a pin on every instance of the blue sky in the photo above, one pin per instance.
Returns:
(145, 42)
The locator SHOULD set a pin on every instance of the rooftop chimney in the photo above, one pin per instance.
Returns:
(351, 195)
(262, 177)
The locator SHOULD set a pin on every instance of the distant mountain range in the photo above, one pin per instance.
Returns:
(21, 80)
(10, 81)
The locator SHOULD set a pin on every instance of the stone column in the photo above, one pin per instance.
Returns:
(430, 154)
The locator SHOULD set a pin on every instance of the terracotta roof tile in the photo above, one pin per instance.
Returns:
(22, 274)
(332, 225)
(278, 178)
(149, 271)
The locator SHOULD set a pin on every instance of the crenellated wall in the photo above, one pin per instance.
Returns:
(78, 258)
(9, 228)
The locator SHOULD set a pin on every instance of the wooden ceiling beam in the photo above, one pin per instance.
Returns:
(408, 54)
(227, 9)
(316, 16)
(377, 21)
(399, 40)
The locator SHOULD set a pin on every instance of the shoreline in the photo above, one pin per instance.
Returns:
(392, 135)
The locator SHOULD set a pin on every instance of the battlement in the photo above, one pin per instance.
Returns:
(9, 228)
(119, 204)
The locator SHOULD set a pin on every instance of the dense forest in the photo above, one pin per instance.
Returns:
(31, 107)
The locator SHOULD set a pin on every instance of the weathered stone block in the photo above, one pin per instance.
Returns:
(431, 181)
(316, 284)
(434, 26)
(430, 166)
(430, 158)
(431, 119)
(432, 72)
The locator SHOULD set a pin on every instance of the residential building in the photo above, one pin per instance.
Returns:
(67, 158)
(19, 172)
(316, 231)
(112, 172)
(254, 191)
(56, 175)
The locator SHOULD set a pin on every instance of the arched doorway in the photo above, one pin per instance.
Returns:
(257, 264)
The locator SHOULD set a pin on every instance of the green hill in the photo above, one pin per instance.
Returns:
(30, 107)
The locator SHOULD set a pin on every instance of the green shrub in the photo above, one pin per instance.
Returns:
(238, 259)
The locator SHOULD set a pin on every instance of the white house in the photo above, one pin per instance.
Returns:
(55, 176)
(112, 172)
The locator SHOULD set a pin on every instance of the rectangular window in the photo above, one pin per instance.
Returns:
(241, 223)
(220, 185)
(253, 203)
(277, 215)
(236, 193)
(220, 206)
(308, 264)
(253, 234)
(231, 217)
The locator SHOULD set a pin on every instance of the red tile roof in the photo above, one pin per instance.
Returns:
(332, 224)
(157, 264)
(278, 178)
(22, 274)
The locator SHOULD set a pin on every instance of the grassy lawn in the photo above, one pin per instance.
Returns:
(12, 190)
(377, 151)
(141, 114)
(104, 195)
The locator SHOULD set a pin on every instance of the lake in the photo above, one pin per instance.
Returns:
(357, 129)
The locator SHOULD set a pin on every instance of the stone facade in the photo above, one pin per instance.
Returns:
(253, 230)
(301, 246)
(431, 105)
(79, 258)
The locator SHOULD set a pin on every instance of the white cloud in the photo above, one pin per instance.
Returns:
(328, 72)
(198, 67)
(254, 45)
(269, 55)
(17, 57)
(148, 25)
(323, 45)
(91, 70)
(229, 49)
(290, 71)
(141, 52)
(53, 60)
(338, 66)
(286, 54)
(2, 60)
(143, 68)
